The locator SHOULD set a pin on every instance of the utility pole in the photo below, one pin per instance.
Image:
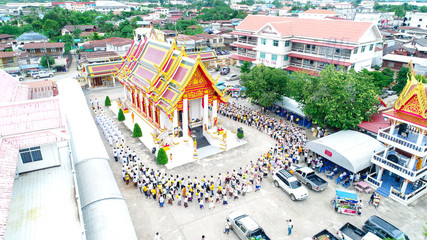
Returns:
(45, 52)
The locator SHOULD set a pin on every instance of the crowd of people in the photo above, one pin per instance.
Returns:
(208, 191)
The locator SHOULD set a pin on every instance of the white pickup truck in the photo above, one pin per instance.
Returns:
(290, 184)
(42, 74)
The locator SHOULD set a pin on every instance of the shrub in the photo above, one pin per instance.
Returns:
(121, 115)
(137, 131)
(162, 158)
(240, 134)
(107, 101)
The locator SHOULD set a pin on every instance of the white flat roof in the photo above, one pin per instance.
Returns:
(405, 59)
(43, 204)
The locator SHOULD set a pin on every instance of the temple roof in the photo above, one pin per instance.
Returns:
(411, 106)
(163, 71)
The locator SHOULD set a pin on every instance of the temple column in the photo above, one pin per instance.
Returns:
(404, 185)
(154, 113)
(185, 118)
(146, 106)
(420, 137)
(214, 111)
(114, 81)
(125, 92)
(411, 163)
(205, 110)
(140, 101)
(175, 121)
(380, 173)
(89, 82)
(393, 126)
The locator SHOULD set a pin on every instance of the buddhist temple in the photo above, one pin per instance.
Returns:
(401, 168)
(174, 95)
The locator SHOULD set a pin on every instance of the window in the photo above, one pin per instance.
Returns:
(213, 40)
(263, 41)
(371, 47)
(32, 51)
(355, 51)
(275, 43)
(363, 48)
(287, 43)
(262, 55)
(53, 50)
(31, 154)
(308, 46)
(337, 51)
(273, 57)
(285, 58)
(42, 50)
(390, 64)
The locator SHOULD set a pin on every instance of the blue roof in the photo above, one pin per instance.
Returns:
(346, 195)
(31, 36)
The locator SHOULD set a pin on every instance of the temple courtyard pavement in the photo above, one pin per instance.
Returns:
(270, 207)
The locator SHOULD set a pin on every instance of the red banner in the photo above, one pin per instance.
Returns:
(328, 153)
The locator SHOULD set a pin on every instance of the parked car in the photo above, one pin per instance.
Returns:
(225, 52)
(308, 177)
(245, 227)
(224, 71)
(218, 53)
(383, 229)
(42, 74)
(350, 232)
(290, 184)
(221, 85)
(17, 76)
(233, 77)
(325, 234)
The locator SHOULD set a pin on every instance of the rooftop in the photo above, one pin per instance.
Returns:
(7, 54)
(314, 28)
(2, 36)
(81, 27)
(52, 203)
(43, 45)
(405, 59)
(32, 36)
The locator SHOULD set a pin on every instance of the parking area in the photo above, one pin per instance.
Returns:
(270, 207)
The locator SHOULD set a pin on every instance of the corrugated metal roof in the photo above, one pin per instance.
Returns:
(104, 210)
(43, 204)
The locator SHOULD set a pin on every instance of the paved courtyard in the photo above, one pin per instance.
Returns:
(270, 207)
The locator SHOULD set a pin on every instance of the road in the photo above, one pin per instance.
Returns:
(71, 73)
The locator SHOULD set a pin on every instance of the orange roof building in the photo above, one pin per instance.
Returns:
(406, 145)
(300, 44)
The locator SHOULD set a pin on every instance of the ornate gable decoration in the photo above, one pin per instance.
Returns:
(413, 98)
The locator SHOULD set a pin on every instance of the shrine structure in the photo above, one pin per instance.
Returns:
(173, 94)
(401, 168)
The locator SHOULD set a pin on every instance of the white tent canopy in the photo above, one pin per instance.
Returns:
(290, 105)
(349, 149)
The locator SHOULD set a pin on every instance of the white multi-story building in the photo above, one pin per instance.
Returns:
(298, 44)
(401, 168)
(415, 19)
(318, 14)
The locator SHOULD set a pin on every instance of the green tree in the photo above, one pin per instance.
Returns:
(77, 32)
(137, 131)
(9, 29)
(337, 98)
(246, 67)
(162, 157)
(107, 101)
(265, 85)
(51, 25)
(277, 4)
(121, 115)
(37, 25)
(47, 62)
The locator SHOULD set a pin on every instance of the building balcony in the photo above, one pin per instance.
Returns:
(407, 143)
(410, 195)
(250, 42)
(398, 169)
